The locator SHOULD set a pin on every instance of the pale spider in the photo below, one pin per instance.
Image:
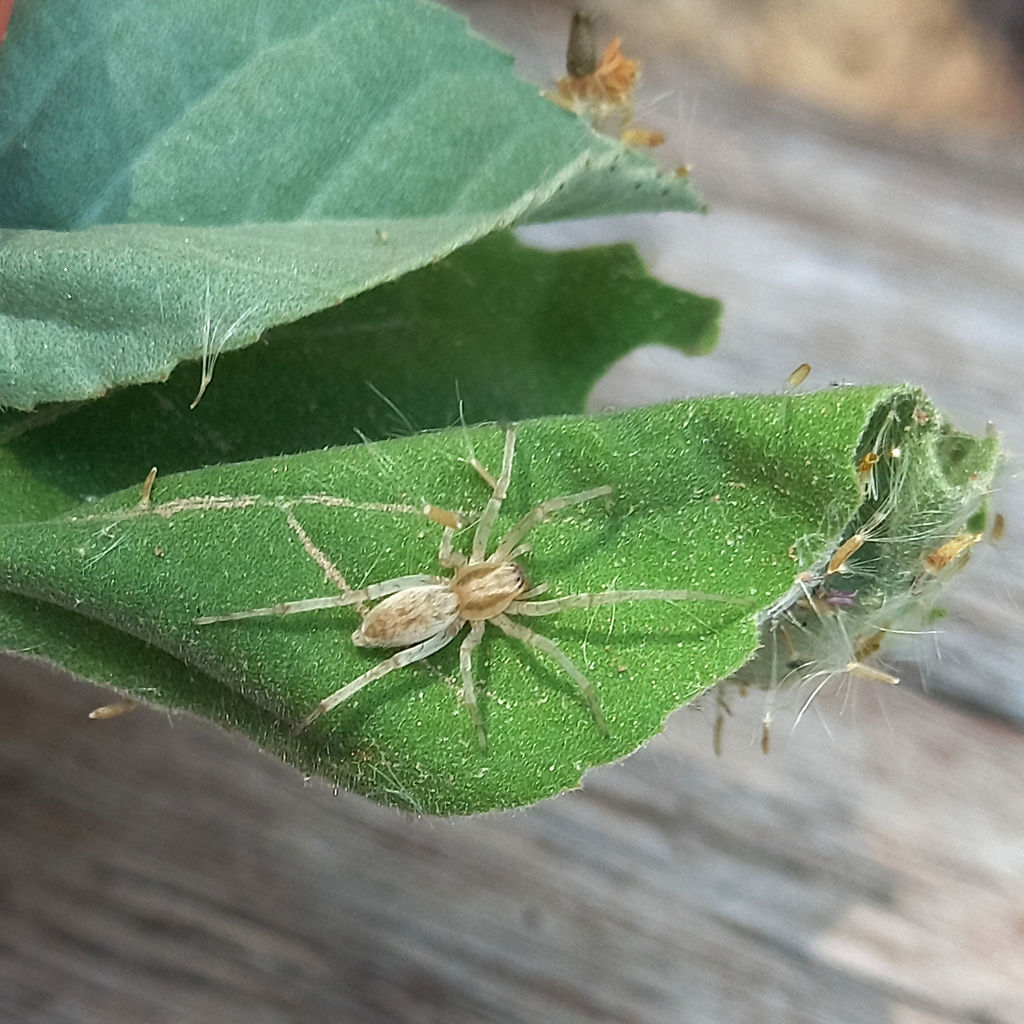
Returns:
(421, 614)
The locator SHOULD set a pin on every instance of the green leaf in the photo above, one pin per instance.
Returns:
(509, 331)
(185, 177)
(708, 495)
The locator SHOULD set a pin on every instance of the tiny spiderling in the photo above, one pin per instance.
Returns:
(420, 614)
(798, 376)
(119, 707)
(998, 528)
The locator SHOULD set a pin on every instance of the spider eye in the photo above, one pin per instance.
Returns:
(522, 581)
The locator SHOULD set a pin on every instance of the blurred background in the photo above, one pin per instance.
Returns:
(931, 65)
(863, 163)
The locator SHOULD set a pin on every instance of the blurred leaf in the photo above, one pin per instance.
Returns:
(186, 176)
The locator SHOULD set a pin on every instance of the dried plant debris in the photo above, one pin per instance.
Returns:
(601, 91)
(882, 580)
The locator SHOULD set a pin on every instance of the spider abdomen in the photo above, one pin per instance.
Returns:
(485, 590)
(408, 617)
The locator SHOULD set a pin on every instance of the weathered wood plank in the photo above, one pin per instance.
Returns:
(163, 871)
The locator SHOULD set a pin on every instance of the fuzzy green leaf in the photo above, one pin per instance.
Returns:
(508, 331)
(186, 176)
(701, 501)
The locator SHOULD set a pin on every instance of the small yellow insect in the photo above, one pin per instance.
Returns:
(119, 707)
(642, 138)
(954, 549)
(799, 375)
(845, 551)
(998, 528)
(147, 488)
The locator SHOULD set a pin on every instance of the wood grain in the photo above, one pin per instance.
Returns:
(870, 869)
(164, 871)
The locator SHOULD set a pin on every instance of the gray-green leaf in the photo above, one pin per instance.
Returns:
(185, 177)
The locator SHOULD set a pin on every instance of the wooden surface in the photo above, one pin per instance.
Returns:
(870, 869)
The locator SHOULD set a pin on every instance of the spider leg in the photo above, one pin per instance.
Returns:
(393, 586)
(553, 651)
(405, 657)
(469, 645)
(287, 608)
(538, 515)
(561, 604)
(482, 470)
(490, 514)
(473, 460)
(315, 603)
(446, 555)
(331, 571)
